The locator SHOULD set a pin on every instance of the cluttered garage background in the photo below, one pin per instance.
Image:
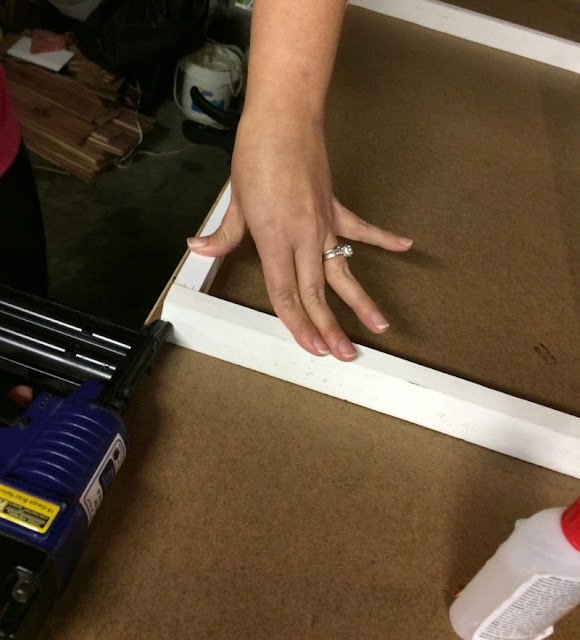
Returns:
(101, 89)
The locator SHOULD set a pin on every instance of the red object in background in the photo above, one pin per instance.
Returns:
(47, 41)
(9, 130)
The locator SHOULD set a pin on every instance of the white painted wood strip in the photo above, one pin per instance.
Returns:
(378, 381)
(486, 30)
(198, 272)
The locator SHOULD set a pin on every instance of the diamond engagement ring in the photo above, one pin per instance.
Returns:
(340, 250)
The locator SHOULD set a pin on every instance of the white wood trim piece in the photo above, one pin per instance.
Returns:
(486, 30)
(378, 381)
(198, 272)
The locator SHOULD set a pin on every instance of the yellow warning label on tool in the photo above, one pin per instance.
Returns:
(26, 510)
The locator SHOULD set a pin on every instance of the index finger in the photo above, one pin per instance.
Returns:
(282, 285)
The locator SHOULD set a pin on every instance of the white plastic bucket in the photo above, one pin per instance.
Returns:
(217, 71)
(77, 9)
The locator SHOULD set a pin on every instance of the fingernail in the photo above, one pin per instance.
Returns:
(379, 320)
(405, 242)
(321, 347)
(196, 243)
(346, 349)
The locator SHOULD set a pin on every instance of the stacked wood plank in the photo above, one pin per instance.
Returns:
(82, 120)
(98, 81)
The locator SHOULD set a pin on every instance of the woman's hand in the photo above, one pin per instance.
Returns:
(281, 186)
(282, 193)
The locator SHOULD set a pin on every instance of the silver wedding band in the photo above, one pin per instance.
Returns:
(340, 250)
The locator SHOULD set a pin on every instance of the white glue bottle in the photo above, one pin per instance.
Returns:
(531, 582)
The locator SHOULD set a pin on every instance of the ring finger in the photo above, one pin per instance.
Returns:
(345, 285)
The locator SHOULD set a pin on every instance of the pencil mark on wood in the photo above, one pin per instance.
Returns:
(545, 353)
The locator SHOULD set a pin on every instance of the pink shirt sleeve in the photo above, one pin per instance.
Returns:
(9, 129)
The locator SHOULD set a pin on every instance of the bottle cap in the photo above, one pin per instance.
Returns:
(571, 524)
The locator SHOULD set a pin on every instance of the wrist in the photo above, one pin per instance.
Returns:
(281, 115)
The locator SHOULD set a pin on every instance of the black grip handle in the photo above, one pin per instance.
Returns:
(225, 118)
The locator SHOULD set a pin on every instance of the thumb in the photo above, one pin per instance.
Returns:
(226, 238)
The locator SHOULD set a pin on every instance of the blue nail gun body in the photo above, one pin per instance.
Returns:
(58, 458)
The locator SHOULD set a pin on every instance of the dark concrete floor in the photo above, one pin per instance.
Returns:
(114, 243)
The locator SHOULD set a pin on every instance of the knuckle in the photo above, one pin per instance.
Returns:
(338, 272)
(312, 221)
(333, 333)
(311, 226)
(285, 301)
(221, 235)
(314, 294)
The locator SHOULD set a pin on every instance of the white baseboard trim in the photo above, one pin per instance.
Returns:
(482, 29)
(377, 381)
